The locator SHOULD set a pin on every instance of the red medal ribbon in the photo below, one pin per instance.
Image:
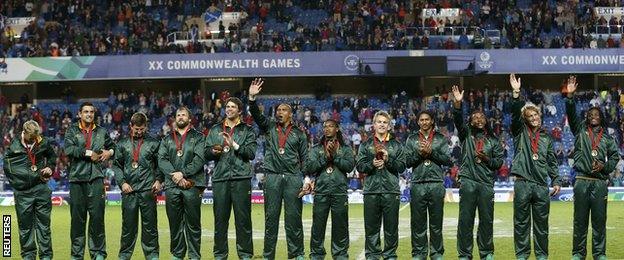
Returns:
(136, 151)
(181, 143)
(595, 142)
(230, 133)
(283, 137)
(87, 135)
(376, 143)
(479, 144)
(421, 137)
(534, 140)
(31, 154)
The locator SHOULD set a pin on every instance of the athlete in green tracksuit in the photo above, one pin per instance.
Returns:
(427, 151)
(534, 162)
(382, 159)
(136, 172)
(232, 145)
(286, 149)
(482, 155)
(329, 162)
(181, 160)
(87, 146)
(28, 164)
(595, 157)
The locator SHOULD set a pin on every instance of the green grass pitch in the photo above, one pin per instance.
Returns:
(560, 231)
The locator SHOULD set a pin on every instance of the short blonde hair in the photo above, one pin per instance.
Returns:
(31, 127)
(382, 113)
(530, 106)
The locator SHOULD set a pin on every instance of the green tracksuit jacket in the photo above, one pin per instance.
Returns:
(231, 187)
(283, 181)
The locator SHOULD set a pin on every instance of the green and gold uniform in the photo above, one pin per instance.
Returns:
(231, 187)
(427, 193)
(183, 205)
(531, 195)
(477, 188)
(381, 196)
(330, 193)
(283, 181)
(86, 188)
(590, 189)
(32, 195)
(141, 199)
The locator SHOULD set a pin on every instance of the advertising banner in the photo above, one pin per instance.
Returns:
(355, 197)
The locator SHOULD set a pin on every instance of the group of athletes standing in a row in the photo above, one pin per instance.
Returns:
(143, 166)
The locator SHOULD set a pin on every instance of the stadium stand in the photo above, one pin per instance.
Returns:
(353, 112)
(105, 27)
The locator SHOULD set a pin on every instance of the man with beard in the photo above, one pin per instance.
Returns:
(232, 145)
(427, 151)
(534, 162)
(285, 151)
(136, 173)
(595, 157)
(87, 145)
(28, 164)
(329, 162)
(482, 155)
(381, 158)
(181, 160)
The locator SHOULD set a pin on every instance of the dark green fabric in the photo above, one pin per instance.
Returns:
(232, 195)
(142, 178)
(286, 187)
(330, 196)
(339, 207)
(131, 204)
(17, 164)
(607, 148)
(440, 155)
(87, 197)
(427, 203)
(386, 179)
(234, 164)
(483, 172)
(191, 163)
(523, 165)
(333, 183)
(283, 181)
(33, 207)
(296, 148)
(531, 207)
(381, 208)
(81, 168)
(590, 200)
(184, 214)
(472, 196)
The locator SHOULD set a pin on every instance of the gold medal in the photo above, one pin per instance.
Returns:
(135, 165)
(281, 151)
(33, 168)
(427, 162)
(226, 149)
(329, 169)
(535, 157)
(594, 153)
(179, 153)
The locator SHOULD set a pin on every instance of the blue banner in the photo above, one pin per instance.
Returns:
(289, 64)
(536, 61)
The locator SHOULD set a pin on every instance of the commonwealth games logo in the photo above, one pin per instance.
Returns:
(351, 62)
